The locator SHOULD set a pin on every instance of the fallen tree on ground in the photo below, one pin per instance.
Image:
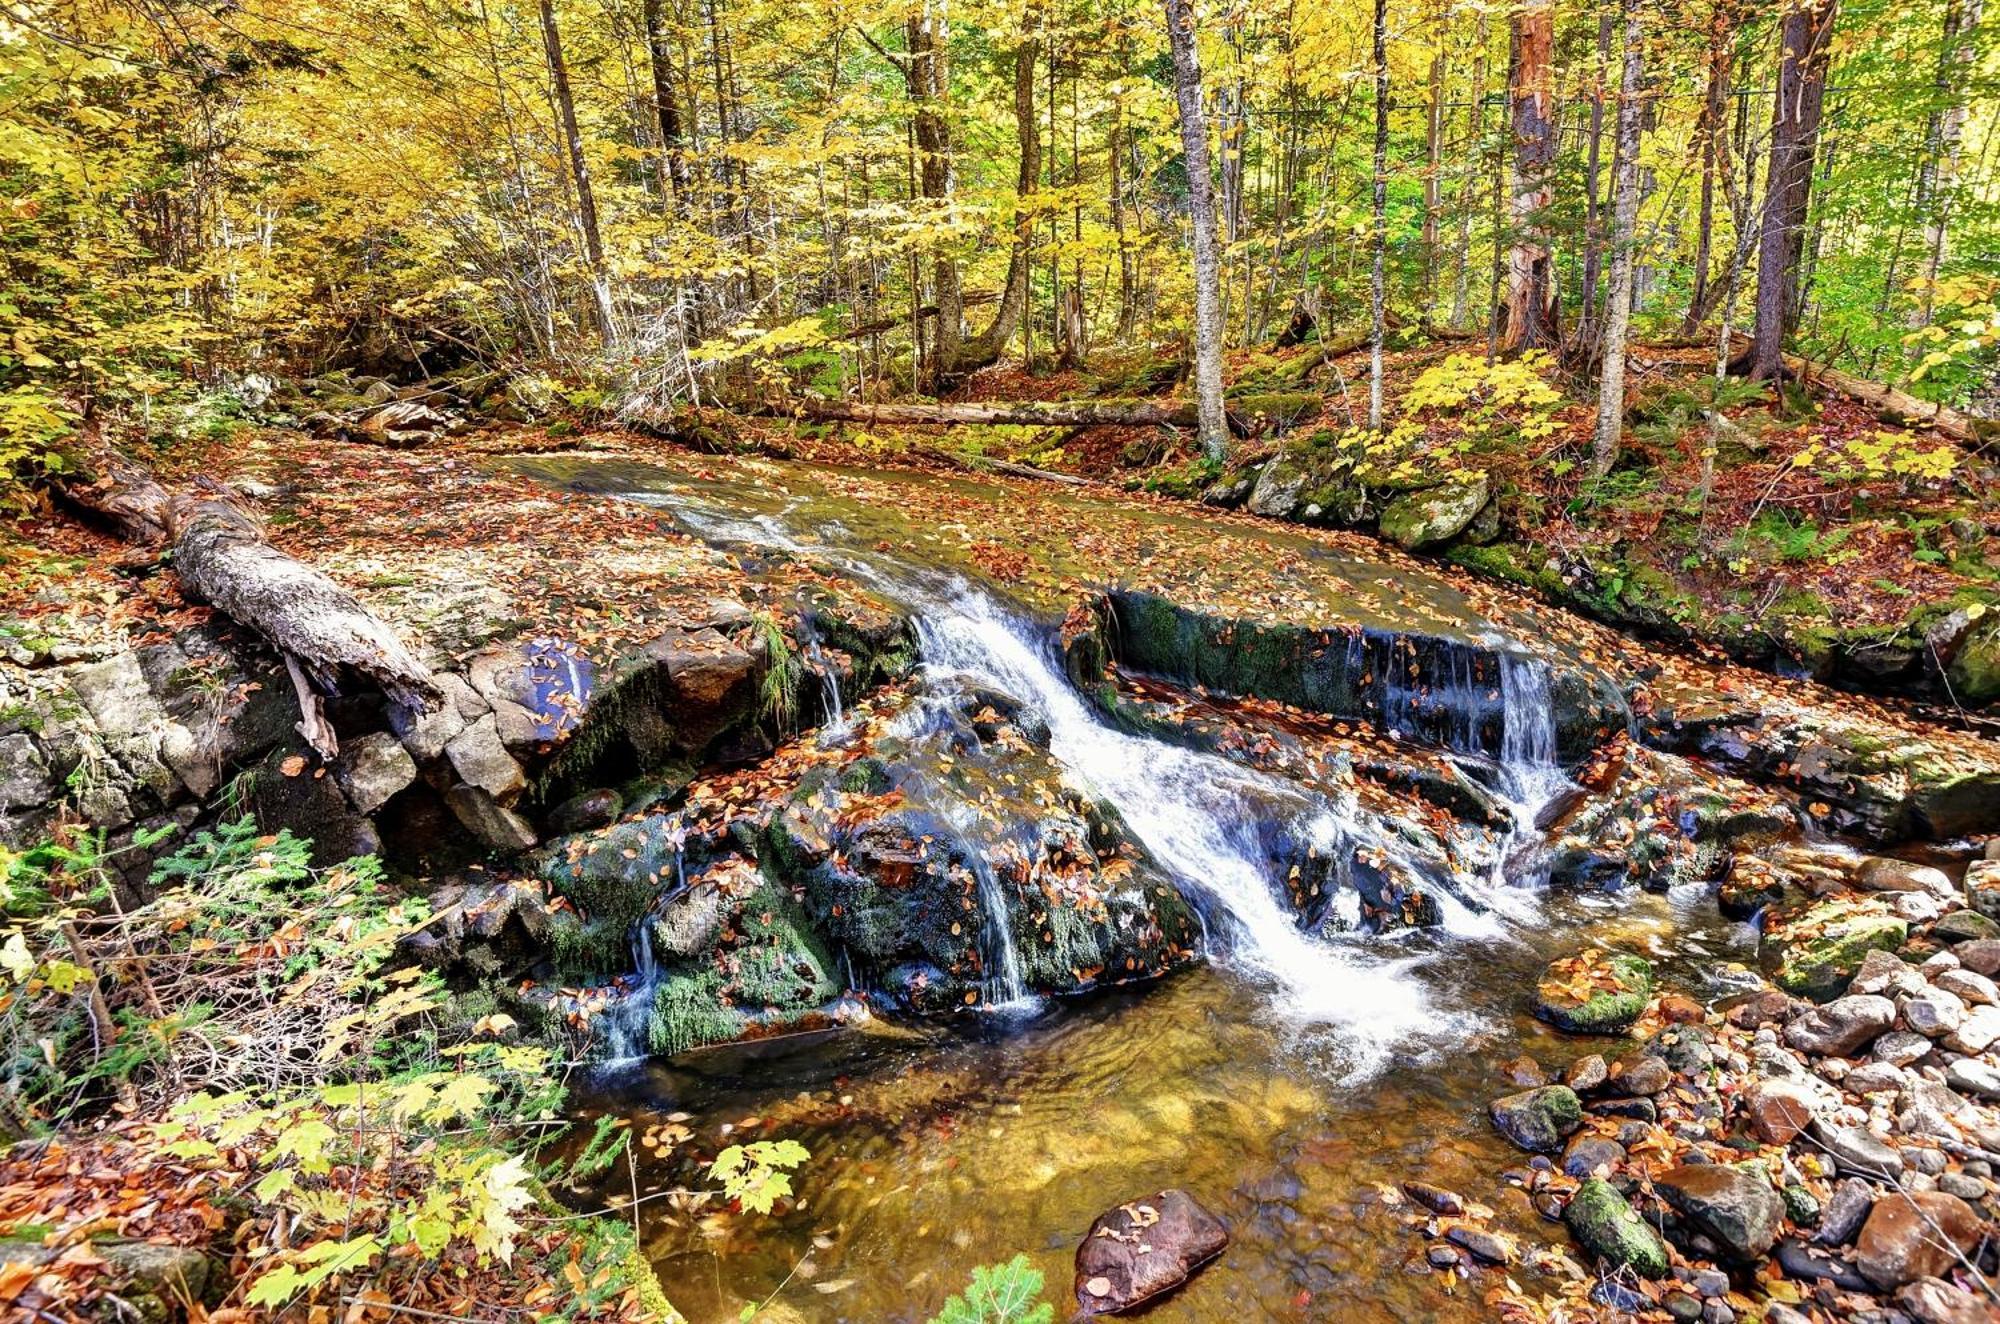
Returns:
(222, 556)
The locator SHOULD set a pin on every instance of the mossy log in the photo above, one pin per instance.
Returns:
(223, 557)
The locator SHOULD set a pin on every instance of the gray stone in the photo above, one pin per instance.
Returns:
(1972, 988)
(1974, 1076)
(1858, 1150)
(1587, 1154)
(24, 775)
(1842, 1025)
(1982, 887)
(1978, 1032)
(1735, 1208)
(485, 763)
(687, 925)
(371, 768)
(1874, 1078)
(1928, 1109)
(496, 826)
(1901, 1048)
(1979, 955)
(1846, 1209)
(1538, 1120)
(1878, 873)
(1933, 1013)
(1935, 1301)
(426, 735)
(1886, 973)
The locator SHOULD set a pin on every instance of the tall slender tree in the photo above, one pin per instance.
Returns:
(1529, 313)
(586, 199)
(1379, 218)
(1624, 238)
(1211, 424)
(1805, 33)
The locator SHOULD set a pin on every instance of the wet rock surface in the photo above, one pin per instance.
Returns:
(1144, 1249)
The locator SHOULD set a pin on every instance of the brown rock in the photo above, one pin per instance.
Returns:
(1778, 1110)
(1143, 1249)
(1937, 1302)
(1915, 1234)
(1680, 1010)
(1524, 1071)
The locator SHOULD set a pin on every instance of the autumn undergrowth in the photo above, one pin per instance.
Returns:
(247, 1049)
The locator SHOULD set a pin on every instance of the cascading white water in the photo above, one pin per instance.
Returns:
(1194, 812)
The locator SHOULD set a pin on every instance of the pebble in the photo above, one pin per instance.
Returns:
(1874, 1078)
(1435, 1198)
(1642, 1109)
(1972, 1076)
(1929, 1162)
(1524, 1071)
(1901, 1048)
(1586, 1073)
(1683, 1307)
(1643, 1075)
(1717, 1312)
(1711, 1282)
(1611, 1293)
(1488, 1246)
(1860, 1151)
(1979, 955)
(1933, 1013)
(1977, 989)
(1846, 1209)
(1442, 1257)
(1936, 963)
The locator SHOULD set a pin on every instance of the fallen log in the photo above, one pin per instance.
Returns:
(222, 556)
(1899, 406)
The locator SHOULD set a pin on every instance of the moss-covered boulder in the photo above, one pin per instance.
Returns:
(1538, 1120)
(1607, 1226)
(1312, 480)
(1813, 952)
(1975, 671)
(1594, 992)
(1434, 514)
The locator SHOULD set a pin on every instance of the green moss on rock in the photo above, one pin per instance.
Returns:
(1816, 951)
(1607, 1226)
(1618, 986)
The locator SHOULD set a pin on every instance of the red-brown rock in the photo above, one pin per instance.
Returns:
(1915, 1234)
(1144, 1248)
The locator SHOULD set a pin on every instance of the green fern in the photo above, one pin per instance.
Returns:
(1007, 1293)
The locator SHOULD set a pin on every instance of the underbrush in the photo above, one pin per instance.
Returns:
(241, 1067)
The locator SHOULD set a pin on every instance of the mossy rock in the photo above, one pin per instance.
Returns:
(1964, 926)
(1605, 1224)
(1816, 951)
(1594, 992)
(1975, 671)
(1538, 1120)
(1433, 515)
(1282, 409)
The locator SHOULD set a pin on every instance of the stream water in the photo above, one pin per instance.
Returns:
(1288, 1083)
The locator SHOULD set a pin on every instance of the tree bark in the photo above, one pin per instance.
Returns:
(986, 347)
(222, 557)
(1806, 35)
(1211, 424)
(666, 104)
(1433, 163)
(1938, 183)
(927, 73)
(1530, 310)
(1474, 128)
(1624, 226)
(586, 200)
(1379, 217)
(1708, 132)
(1585, 348)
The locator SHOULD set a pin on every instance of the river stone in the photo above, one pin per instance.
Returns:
(1977, 1033)
(1778, 1110)
(1735, 1208)
(1586, 1073)
(1933, 1013)
(1965, 926)
(496, 826)
(1685, 1048)
(1433, 515)
(1929, 1109)
(1539, 1120)
(1914, 1234)
(1484, 1243)
(1980, 955)
(1971, 987)
(1982, 887)
(1587, 1153)
(1877, 873)
(1143, 1249)
(1604, 1224)
(1641, 1075)
(1841, 1026)
(1819, 949)
(1594, 992)
(1859, 1150)
(1900, 1048)
(1874, 1078)
(482, 761)
(586, 811)
(1974, 1076)
(1888, 974)
(1523, 1071)
(1807, 1263)
(1846, 1209)
(1934, 1301)
(1435, 1198)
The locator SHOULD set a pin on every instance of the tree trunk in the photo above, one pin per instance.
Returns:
(1211, 424)
(1939, 180)
(1530, 311)
(586, 201)
(1379, 216)
(221, 555)
(1433, 164)
(1806, 35)
(1474, 128)
(1624, 227)
(1708, 132)
(1593, 214)
(986, 347)
(666, 104)
(928, 76)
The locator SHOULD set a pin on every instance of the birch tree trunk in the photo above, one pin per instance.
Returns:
(586, 201)
(1530, 310)
(1624, 231)
(1806, 36)
(1211, 425)
(1379, 228)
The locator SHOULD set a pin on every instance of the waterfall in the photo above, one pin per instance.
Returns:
(1195, 812)
(833, 729)
(625, 1023)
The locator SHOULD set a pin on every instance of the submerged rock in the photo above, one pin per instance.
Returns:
(1144, 1249)
(1604, 1224)
(1594, 992)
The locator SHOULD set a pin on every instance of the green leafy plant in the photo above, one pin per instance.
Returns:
(1007, 1293)
(752, 1174)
